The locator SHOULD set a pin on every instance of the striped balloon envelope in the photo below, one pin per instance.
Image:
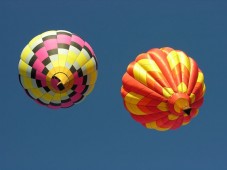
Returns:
(163, 89)
(57, 69)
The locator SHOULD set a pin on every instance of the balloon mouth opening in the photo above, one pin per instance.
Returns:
(187, 111)
(59, 81)
(60, 86)
(179, 104)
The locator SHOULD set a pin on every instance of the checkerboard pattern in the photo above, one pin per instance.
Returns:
(57, 69)
(163, 89)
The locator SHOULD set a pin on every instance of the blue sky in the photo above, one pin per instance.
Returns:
(99, 133)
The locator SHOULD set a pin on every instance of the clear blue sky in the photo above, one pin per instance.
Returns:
(99, 134)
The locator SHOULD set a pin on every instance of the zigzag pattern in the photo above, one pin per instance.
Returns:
(163, 89)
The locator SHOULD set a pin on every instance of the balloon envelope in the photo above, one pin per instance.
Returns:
(163, 89)
(57, 69)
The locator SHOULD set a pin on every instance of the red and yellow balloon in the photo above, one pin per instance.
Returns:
(163, 89)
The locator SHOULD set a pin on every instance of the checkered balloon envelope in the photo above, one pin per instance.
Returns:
(57, 69)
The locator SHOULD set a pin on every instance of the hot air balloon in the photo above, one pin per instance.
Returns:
(57, 69)
(163, 89)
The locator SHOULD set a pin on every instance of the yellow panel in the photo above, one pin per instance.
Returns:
(63, 95)
(62, 59)
(90, 66)
(47, 97)
(27, 82)
(172, 117)
(167, 92)
(153, 125)
(36, 92)
(133, 98)
(81, 59)
(54, 60)
(192, 98)
(149, 65)
(140, 74)
(92, 77)
(200, 78)
(34, 40)
(173, 59)
(44, 100)
(185, 123)
(26, 51)
(180, 104)
(71, 57)
(132, 108)
(163, 106)
(204, 89)
(55, 63)
(182, 87)
(23, 68)
(56, 97)
(184, 59)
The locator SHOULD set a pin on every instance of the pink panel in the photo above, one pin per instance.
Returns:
(43, 83)
(53, 107)
(77, 40)
(76, 97)
(63, 39)
(42, 54)
(68, 104)
(50, 44)
(77, 79)
(79, 88)
(89, 47)
(38, 66)
(40, 76)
